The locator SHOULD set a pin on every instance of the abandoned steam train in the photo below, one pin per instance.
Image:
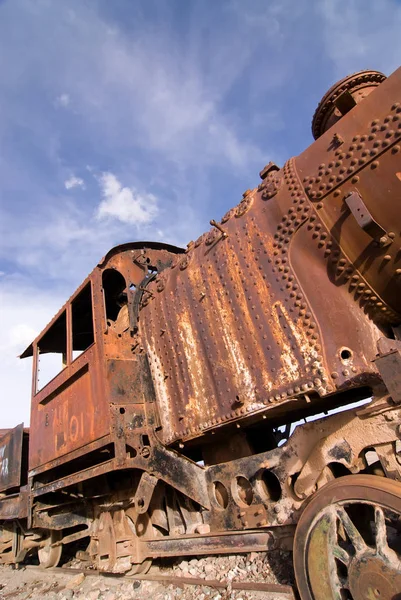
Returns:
(166, 430)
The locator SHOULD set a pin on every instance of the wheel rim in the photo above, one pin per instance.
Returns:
(347, 543)
(50, 556)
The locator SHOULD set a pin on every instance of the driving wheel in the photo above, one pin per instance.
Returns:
(347, 544)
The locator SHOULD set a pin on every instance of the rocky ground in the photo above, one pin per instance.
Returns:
(33, 584)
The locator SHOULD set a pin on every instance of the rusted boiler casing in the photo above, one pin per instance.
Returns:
(290, 293)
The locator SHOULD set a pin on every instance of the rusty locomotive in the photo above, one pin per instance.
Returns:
(167, 429)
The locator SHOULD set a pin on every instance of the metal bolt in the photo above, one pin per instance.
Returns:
(219, 227)
(145, 452)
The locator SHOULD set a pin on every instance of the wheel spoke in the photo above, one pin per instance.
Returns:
(341, 531)
(381, 532)
(342, 555)
(352, 532)
(381, 538)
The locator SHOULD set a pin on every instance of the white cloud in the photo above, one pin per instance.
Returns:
(63, 100)
(73, 182)
(361, 36)
(123, 203)
(20, 322)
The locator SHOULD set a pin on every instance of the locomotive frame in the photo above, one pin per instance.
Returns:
(159, 436)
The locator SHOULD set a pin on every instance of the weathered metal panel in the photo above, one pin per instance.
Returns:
(15, 506)
(11, 458)
(73, 410)
(389, 366)
(287, 295)
(125, 380)
(67, 420)
(367, 162)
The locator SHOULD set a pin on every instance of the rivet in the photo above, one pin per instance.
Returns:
(374, 164)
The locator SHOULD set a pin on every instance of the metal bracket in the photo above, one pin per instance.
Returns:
(345, 102)
(144, 493)
(389, 367)
(269, 168)
(365, 220)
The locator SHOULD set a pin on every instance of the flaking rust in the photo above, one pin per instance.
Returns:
(168, 429)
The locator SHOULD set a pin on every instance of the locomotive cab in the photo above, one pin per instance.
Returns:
(83, 361)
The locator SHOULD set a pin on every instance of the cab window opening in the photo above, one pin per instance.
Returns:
(116, 301)
(82, 321)
(52, 352)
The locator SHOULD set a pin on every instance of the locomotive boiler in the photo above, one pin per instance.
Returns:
(166, 429)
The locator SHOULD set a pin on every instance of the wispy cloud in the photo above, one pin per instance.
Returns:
(357, 37)
(63, 100)
(20, 322)
(73, 182)
(123, 203)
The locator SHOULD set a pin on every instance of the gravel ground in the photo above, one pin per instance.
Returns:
(33, 584)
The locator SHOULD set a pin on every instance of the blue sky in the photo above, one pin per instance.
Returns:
(144, 119)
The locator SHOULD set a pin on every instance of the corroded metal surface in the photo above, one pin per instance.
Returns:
(273, 302)
(11, 458)
(73, 410)
(342, 97)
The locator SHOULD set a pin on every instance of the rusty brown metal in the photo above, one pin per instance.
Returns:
(14, 506)
(73, 410)
(342, 97)
(278, 307)
(11, 458)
